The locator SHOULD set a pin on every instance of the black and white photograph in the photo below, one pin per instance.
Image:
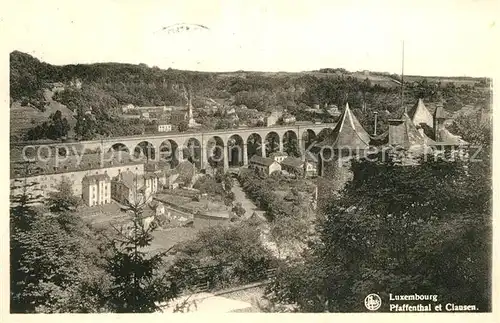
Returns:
(230, 156)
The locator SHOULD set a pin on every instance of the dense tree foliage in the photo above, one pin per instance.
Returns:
(222, 255)
(138, 282)
(61, 264)
(55, 263)
(423, 229)
(55, 128)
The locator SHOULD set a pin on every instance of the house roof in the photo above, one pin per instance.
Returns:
(448, 138)
(348, 133)
(419, 114)
(96, 178)
(259, 160)
(86, 161)
(403, 132)
(149, 175)
(293, 162)
(278, 154)
(129, 179)
(184, 171)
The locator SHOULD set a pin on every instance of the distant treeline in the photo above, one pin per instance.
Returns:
(106, 86)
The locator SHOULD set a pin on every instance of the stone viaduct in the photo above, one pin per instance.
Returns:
(204, 143)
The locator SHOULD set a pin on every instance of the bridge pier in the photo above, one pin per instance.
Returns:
(302, 148)
(245, 154)
(263, 150)
(204, 159)
(280, 144)
(226, 159)
(180, 154)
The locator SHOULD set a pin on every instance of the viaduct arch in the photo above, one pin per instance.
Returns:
(250, 141)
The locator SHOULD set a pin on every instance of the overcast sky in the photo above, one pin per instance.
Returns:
(441, 37)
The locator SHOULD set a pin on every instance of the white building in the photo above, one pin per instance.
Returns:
(96, 189)
(163, 126)
(278, 156)
(265, 166)
(272, 118)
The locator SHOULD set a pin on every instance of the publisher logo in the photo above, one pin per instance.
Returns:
(373, 302)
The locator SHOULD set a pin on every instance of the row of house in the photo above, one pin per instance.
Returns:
(164, 118)
(99, 178)
(281, 162)
(154, 109)
(130, 187)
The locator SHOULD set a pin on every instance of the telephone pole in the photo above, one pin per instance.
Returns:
(402, 76)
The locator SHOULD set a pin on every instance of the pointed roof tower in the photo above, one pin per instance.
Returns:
(404, 133)
(419, 114)
(348, 133)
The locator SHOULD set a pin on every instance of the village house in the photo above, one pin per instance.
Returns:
(152, 109)
(96, 189)
(176, 117)
(47, 175)
(164, 125)
(278, 156)
(272, 118)
(297, 166)
(133, 188)
(58, 87)
(263, 165)
(288, 118)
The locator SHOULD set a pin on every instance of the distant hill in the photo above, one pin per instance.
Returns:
(38, 89)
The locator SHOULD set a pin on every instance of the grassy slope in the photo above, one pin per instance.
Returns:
(23, 118)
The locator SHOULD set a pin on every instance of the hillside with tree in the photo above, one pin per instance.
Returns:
(104, 87)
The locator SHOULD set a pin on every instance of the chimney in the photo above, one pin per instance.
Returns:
(421, 131)
(396, 132)
(438, 122)
(375, 125)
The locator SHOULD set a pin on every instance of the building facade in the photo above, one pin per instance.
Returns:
(132, 188)
(278, 156)
(48, 175)
(297, 166)
(96, 189)
(178, 116)
(164, 127)
(263, 165)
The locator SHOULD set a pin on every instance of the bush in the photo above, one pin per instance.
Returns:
(226, 256)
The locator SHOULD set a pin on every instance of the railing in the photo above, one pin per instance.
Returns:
(180, 134)
(203, 284)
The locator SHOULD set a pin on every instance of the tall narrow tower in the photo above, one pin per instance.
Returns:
(403, 77)
(439, 118)
(190, 105)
